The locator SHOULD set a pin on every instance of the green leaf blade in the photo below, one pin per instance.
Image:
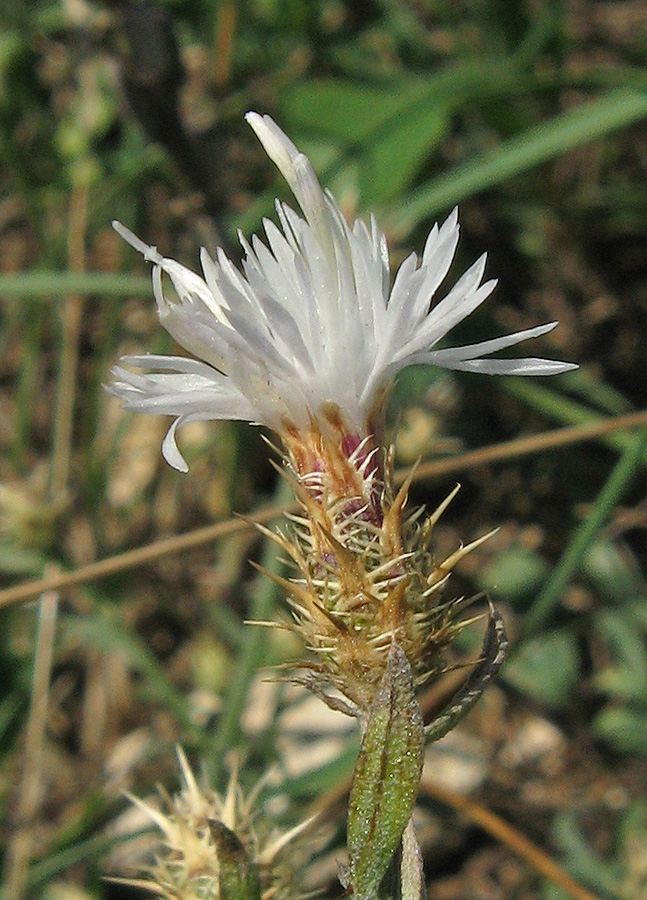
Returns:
(543, 142)
(386, 778)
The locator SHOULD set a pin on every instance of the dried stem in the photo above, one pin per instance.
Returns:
(494, 825)
(69, 358)
(19, 849)
(560, 437)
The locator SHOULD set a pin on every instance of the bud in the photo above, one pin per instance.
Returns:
(213, 849)
(366, 573)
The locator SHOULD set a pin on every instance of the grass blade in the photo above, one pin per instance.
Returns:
(585, 534)
(545, 141)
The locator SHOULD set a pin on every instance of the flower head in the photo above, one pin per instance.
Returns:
(310, 334)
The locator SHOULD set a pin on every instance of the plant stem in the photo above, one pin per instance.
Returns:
(264, 597)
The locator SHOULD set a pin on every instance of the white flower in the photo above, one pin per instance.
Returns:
(311, 321)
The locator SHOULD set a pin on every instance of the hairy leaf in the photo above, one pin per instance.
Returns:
(386, 777)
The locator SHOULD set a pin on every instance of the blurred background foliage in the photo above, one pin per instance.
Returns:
(529, 114)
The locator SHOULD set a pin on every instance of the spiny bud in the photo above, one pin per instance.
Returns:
(213, 849)
(366, 573)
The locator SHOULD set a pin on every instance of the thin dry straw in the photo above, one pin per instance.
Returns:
(560, 437)
(506, 834)
(20, 843)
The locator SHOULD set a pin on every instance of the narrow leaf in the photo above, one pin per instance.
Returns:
(536, 145)
(623, 473)
(495, 645)
(386, 777)
(391, 163)
(346, 111)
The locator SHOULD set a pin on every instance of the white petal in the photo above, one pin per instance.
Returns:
(437, 257)
(277, 145)
(435, 327)
(149, 253)
(170, 364)
(170, 450)
(463, 289)
(309, 321)
(299, 174)
(528, 366)
(471, 351)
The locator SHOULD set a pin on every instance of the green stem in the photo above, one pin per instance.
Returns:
(618, 481)
(31, 285)
(264, 597)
